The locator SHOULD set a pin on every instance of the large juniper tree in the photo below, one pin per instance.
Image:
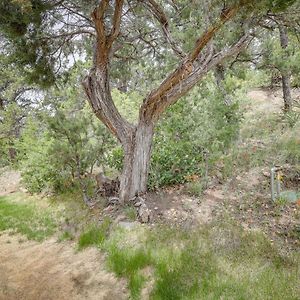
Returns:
(192, 36)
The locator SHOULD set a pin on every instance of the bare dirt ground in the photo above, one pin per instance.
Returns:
(51, 270)
(9, 181)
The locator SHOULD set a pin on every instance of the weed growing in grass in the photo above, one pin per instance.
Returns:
(94, 235)
(281, 201)
(26, 219)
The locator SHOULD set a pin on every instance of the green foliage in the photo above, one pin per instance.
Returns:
(95, 235)
(292, 117)
(63, 141)
(289, 146)
(280, 5)
(15, 104)
(34, 147)
(200, 125)
(24, 218)
(9, 130)
(130, 213)
(195, 188)
(22, 24)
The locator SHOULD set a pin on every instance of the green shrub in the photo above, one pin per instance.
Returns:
(291, 150)
(195, 188)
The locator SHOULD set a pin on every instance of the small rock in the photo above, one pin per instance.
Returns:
(113, 200)
(144, 214)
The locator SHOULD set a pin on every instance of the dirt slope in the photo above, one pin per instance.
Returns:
(51, 270)
(9, 181)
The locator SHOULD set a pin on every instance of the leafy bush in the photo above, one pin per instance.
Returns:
(195, 127)
(37, 170)
(59, 146)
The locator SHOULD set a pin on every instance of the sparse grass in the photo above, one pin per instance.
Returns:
(220, 261)
(128, 263)
(66, 236)
(27, 219)
(130, 213)
(94, 235)
(195, 188)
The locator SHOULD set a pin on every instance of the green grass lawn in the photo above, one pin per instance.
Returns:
(25, 218)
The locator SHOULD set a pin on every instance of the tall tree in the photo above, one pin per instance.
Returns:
(16, 100)
(52, 30)
(285, 73)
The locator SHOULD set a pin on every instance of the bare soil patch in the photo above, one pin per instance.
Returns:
(51, 270)
(9, 181)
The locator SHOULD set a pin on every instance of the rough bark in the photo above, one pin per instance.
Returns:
(285, 74)
(136, 162)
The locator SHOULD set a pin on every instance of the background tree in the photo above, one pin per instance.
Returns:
(71, 140)
(276, 49)
(16, 101)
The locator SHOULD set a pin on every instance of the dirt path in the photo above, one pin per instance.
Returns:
(9, 181)
(51, 270)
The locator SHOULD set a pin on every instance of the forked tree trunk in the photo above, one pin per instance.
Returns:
(136, 162)
(137, 140)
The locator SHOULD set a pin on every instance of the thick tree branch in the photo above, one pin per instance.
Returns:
(153, 103)
(198, 73)
(97, 83)
(97, 89)
(116, 22)
(98, 19)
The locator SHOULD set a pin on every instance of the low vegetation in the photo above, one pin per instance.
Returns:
(94, 235)
(217, 261)
(25, 218)
(183, 103)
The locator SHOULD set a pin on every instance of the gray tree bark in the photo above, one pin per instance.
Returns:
(136, 162)
(285, 74)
